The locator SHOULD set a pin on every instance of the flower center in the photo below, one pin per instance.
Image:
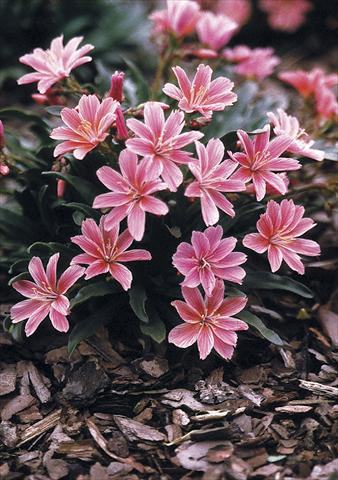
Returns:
(259, 160)
(197, 97)
(203, 263)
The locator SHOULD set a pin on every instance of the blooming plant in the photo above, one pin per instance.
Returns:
(170, 179)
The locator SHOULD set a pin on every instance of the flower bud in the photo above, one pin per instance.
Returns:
(116, 87)
(2, 135)
(60, 188)
(122, 132)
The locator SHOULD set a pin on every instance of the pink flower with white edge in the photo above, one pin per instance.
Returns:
(207, 258)
(46, 295)
(201, 95)
(307, 83)
(286, 15)
(285, 124)
(55, 63)
(85, 126)
(131, 195)
(256, 63)
(106, 250)
(160, 141)
(209, 321)
(269, 189)
(261, 159)
(278, 231)
(215, 30)
(213, 176)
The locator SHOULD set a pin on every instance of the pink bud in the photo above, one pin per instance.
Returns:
(4, 170)
(116, 88)
(2, 135)
(60, 187)
(122, 132)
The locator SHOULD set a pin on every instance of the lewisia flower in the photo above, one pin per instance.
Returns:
(286, 15)
(261, 159)
(238, 10)
(105, 250)
(2, 136)
(131, 194)
(55, 63)
(209, 256)
(86, 125)
(285, 124)
(46, 295)
(253, 63)
(179, 18)
(215, 30)
(279, 228)
(201, 95)
(213, 177)
(160, 142)
(209, 321)
(326, 103)
(308, 83)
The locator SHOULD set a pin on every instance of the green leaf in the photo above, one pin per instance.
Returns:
(16, 113)
(21, 276)
(99, 289)
(83, 208)
(86, 328)
(155, 328)
(86, 189)
(44, 249)
(256, 322)
(271, 281)
(242, 214)
(137, 301)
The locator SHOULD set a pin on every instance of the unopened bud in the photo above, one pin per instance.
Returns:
(122, 132)
(116, 87)
(2, 135)
(60, 188)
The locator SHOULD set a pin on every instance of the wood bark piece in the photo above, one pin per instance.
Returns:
(319, 388)
(7, 378)
(40, 427)
(134, 430)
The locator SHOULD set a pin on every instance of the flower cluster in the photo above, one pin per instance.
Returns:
(152, 156)
(315, 86)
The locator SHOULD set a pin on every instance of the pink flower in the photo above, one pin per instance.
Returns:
(238, 10)
(55, 63)
(326, 103)
(285, 124)
(116, 86)
(160, 142)
(215, 30)
(253, 63)
(213, 177)
(131, 194)
(86, 126)
(278, 229)
(261, 159)
(208, 321)
(285, 15)
(46, 295)
(307, 83)
(209, 256)
(179, 18)
(269, 189)
(105, 250)
(201, 95)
